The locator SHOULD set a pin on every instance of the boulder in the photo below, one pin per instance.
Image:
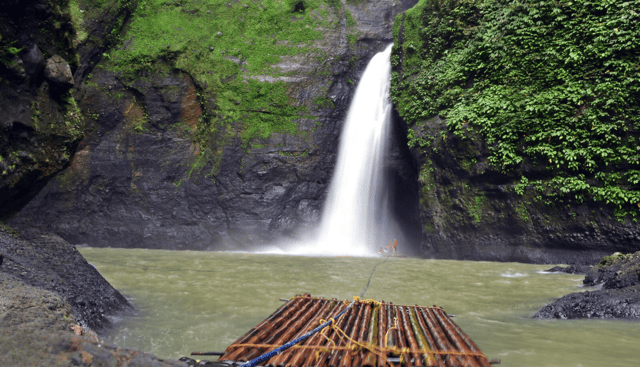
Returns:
(58, 72)
(33, 61)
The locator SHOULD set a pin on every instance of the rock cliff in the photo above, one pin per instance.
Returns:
(217, 128)
(41, 123)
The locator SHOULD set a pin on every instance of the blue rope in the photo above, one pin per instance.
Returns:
(290, 344)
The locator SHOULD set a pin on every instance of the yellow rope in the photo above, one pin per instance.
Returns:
(368, 346)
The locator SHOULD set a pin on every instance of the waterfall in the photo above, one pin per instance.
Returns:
(356, 218)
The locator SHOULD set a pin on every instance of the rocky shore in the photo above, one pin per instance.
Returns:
(50, 300)
(616, 292)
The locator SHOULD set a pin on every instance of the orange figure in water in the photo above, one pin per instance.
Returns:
(391, 247)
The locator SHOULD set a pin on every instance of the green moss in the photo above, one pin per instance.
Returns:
(609, 260)
(231, 50)
(523, 212)
(475, 209)
(323, 102)
(77, 18)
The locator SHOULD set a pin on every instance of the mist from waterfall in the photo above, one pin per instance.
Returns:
(356, 219)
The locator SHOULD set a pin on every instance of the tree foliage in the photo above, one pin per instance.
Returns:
(553, 83)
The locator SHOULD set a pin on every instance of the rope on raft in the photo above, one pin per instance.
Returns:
(269, 355)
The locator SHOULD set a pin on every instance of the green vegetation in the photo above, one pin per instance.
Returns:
(77, 18)
(73, 118)
(552, 84)
(8, 229)
(231, 50)
(475, 209)
(7, 51)
(610, 260)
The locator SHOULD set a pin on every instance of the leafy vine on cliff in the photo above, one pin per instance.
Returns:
(555, 84)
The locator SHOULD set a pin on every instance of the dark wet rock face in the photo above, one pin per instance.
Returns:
(140, 179)
(619, 296)
(40, 124)
(48, 262)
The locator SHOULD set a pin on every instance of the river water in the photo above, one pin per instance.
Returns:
(203, 301)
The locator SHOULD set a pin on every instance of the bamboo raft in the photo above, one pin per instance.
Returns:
(370, 334)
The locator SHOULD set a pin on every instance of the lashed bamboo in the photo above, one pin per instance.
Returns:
(455, 335)
(349, 330)
(299, 355)
(303, 325)
(322, 339)
(402, 343)
(370, 359)
(422, 336)
(425, 342)
(441, 342)
(282, 334)
(264, 330)
(334, 338)
(363, 332)
(308, 358)
(382, 332)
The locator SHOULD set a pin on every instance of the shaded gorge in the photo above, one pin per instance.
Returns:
(190, 301)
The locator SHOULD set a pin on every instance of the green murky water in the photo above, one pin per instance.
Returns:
(192, 301)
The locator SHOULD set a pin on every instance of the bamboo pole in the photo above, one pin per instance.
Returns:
(441, 340)
(280, 335)
(365, 325)
(421, 339)
(455, 335)
(370, 359)
(342, 320)
(306, 322)
(400, 334)
(264, 329)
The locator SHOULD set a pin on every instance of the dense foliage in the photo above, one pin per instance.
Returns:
(554, 84)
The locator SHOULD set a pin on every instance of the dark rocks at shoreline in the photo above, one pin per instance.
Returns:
(50, 263)
(37, 328)
(615, 271)
(604, 304)
(618, 276)
(571, 269)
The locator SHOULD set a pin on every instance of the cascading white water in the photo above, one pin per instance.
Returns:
(355, 217)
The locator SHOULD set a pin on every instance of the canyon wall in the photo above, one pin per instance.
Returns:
(215, 125)
(201, 143)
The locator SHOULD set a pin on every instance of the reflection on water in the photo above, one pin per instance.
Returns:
(192, 301)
